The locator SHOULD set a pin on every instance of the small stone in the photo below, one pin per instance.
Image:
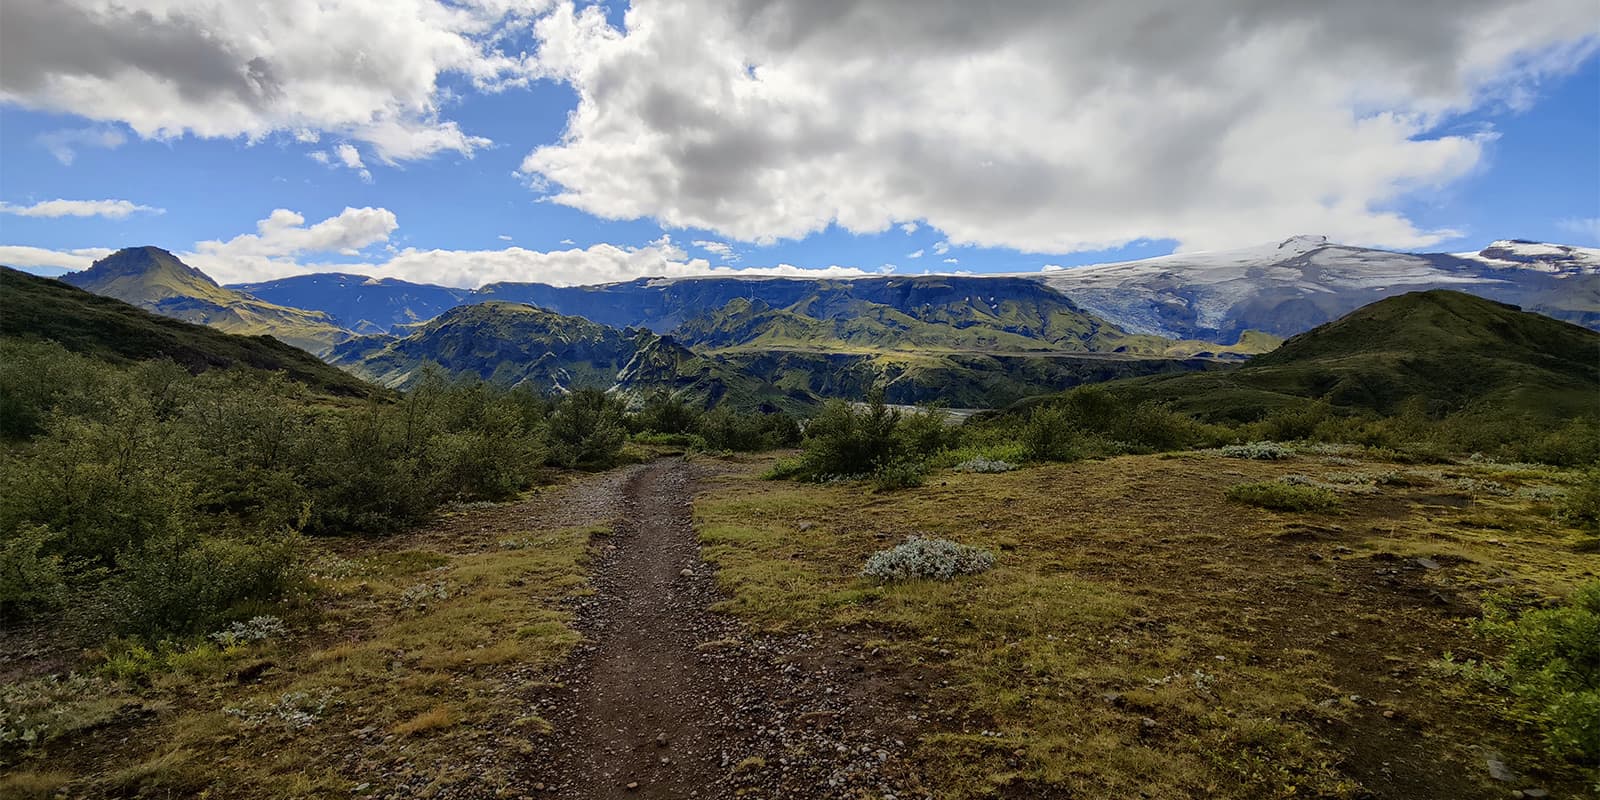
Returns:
(686, 572)
(1427, 563)
(632, 785)
(661, 740)
(1498, 769)
(1535, 793)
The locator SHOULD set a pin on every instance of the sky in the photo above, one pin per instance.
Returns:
(533, 140)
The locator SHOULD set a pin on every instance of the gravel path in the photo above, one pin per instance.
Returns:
(668, 699)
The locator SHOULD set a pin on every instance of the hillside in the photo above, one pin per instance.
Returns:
(156, 280)
(37, 308)
(1453, 349)
(510, 344)
(359, 303)
(933, 313)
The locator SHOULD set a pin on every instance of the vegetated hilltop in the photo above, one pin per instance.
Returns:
(1007, 315)
(512, 344)
(43, 309)
(1454, 350)
(518, 345)
(156, 280)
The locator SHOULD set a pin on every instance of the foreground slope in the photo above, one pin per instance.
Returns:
(156, 280)
(44, 309)
(1451, 349)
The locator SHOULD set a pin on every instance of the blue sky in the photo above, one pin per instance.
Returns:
(687, 147)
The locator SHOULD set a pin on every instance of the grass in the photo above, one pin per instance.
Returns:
(1133, 589)
(1280, 496)
(373, 670)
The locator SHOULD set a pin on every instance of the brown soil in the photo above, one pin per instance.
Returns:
(669, 699)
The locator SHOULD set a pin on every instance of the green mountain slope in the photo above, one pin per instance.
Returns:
(511, 344)
(916, 315)
(45, 309)
(515, 344)
(1455, 350)
(156, 280)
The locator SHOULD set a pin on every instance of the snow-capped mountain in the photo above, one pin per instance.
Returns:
(1288, 287)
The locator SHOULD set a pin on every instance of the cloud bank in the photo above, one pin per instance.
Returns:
(1038, 125)
(368, 70)
(110, 209)
(283, 245)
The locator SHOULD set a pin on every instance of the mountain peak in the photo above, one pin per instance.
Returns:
(1303, 242)
(142, 262)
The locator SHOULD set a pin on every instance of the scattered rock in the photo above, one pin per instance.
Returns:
(1426, 563)
(1498, 769)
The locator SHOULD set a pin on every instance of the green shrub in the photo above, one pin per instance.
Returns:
(845, 442)
(1581, 506)
(663, 413)
(587, 430)
(1051, 435)
(1280, 496)
(30, 576)
(188, 583)
(1551, 666)
(904, 474)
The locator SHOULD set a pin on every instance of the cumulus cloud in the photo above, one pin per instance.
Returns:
(368, 70)
(952, 261)
(26, 257)
(350, 157)
(280, 239)
(908, 227)
(284, 244)
(1042, 126)
(940, 248)
(915, 254)
(64, 144)
(110, 209)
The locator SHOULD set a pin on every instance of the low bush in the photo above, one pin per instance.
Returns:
(1282, 496)
(934, 559)
(587, 430)
(981, 464)
(1258, 451)
(1551, 667)
(898, 475)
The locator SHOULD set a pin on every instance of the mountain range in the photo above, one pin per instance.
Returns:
(1282, 289)
(785, 342)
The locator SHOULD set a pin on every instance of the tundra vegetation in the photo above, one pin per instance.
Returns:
(1119, 589)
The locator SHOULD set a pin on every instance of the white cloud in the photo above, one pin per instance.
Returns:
(568, 241)
(64, 144)
(504, 238)
(940, 248)
(283, 237)
(284, 244)
(350, 157)
(952, 261)
(1051, 268)
(321, 157)
(367, 70)
(1586, 227)
(110, 209)
(721, 250)
(914, 254)
(13, 255)
(1048, 127)
(908, 227)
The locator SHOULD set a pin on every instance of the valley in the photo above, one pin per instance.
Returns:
(509, 551)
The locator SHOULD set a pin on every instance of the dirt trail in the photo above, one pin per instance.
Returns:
(668, 699)
(642, 680)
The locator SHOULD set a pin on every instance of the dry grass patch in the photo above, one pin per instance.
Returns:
(1142, 635)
